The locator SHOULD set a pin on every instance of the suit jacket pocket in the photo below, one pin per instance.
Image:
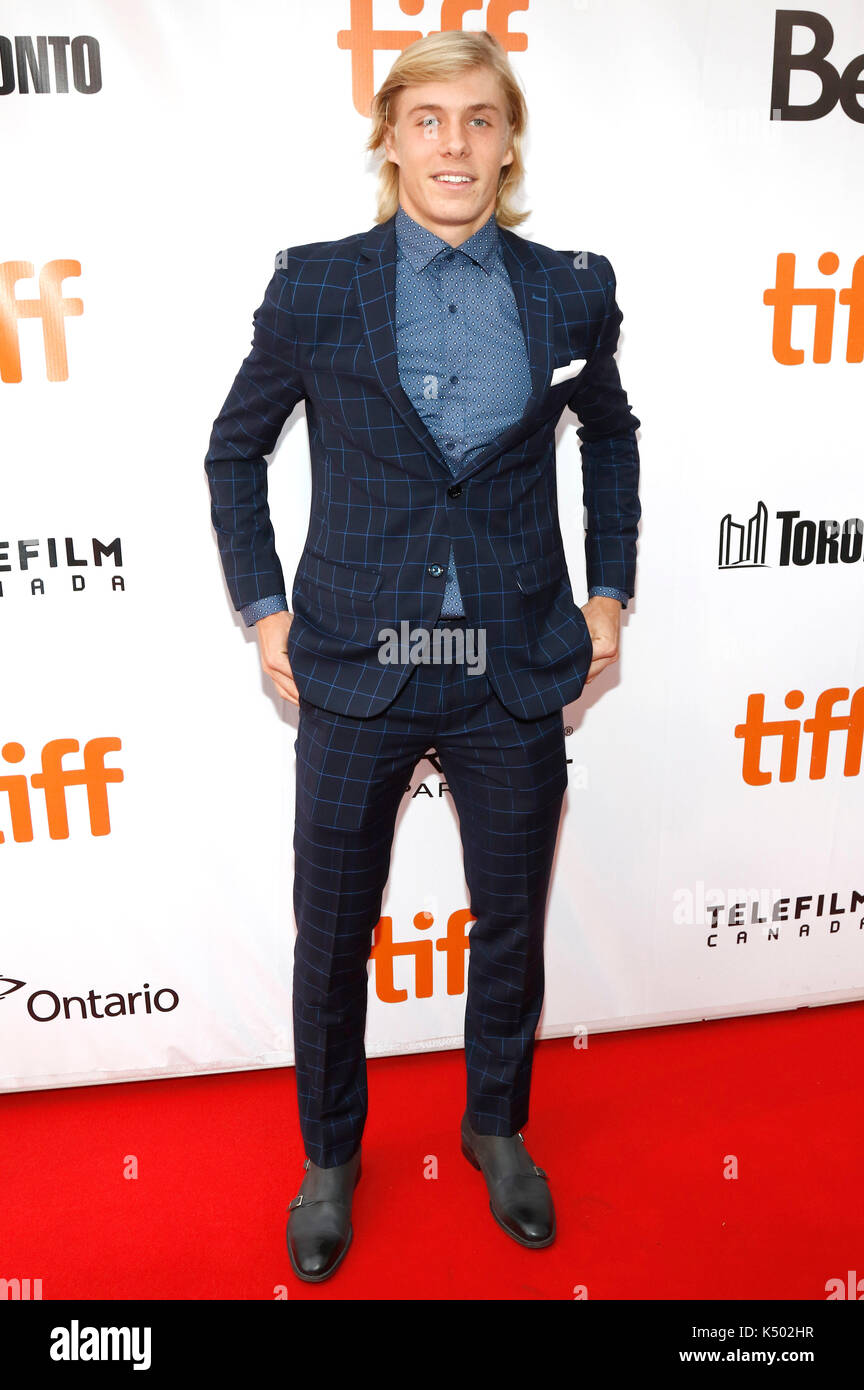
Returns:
(319, 572)
(534, 575)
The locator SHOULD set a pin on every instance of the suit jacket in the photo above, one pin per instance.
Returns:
(386, 505)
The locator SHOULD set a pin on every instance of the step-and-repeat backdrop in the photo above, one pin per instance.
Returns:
(156, 157)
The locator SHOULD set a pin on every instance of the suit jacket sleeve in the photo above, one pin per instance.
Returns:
(610, 456)
(265, 391)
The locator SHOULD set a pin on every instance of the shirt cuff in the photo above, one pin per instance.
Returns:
(263, 607)
(623, 598)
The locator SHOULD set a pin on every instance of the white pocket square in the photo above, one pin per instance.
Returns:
(563, 373)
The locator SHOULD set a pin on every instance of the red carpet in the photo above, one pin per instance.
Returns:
(634, 1133)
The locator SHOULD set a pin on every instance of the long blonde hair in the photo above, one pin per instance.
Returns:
(441, 58)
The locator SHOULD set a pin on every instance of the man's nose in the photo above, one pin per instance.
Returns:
(454, 140)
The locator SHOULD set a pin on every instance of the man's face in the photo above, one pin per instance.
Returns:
(456, 128)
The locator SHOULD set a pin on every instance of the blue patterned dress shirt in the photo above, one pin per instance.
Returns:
(462, 358)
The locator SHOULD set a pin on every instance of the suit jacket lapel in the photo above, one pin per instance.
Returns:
(531, 291)
(375, 285)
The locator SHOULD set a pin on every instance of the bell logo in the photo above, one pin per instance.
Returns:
(53, 780)
(756, 730)
(845, 87)
(50, 307)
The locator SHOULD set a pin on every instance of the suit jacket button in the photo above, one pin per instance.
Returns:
(436, 570)
(455, 491)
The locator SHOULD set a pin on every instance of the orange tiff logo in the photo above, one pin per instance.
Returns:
(453, 944)
(50, 307)
(784, 296)
(757, 730)
(363, 40)
(53, 780)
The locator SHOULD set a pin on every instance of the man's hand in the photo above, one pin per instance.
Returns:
(273, 643)
(603, 616)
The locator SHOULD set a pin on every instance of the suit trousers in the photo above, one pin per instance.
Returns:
(507, 777)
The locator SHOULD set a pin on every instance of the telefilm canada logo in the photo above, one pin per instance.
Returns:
(796, 540)
(45, 1005)
(741, 917)
(43, 567)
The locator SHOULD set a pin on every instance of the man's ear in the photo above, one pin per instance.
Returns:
(388, 145)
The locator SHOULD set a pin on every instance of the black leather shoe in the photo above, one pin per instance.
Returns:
(319, 1228)
(519, 1196)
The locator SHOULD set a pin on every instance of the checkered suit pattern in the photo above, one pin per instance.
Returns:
(386, 510)
(507, 778)
(386, 507)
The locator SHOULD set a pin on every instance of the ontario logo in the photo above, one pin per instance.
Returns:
(45, 1005)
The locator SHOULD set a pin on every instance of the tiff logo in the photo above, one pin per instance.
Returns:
(50, 307)
(363, 40)
(783, 297)
(453, 945)
(53, 780)
(756, 731)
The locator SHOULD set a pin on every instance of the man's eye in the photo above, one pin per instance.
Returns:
(474, 118)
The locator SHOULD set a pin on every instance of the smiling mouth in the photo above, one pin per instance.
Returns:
(453, 180)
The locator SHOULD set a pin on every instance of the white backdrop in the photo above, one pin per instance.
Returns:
(217, 137)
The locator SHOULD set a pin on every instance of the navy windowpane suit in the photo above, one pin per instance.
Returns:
(433, 473)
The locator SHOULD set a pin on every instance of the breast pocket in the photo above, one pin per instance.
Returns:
(344, 362)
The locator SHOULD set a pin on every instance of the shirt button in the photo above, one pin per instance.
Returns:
(449, 256)
(452, 308)
(453, 380)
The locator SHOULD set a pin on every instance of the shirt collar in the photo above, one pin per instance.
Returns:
(420, 246)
